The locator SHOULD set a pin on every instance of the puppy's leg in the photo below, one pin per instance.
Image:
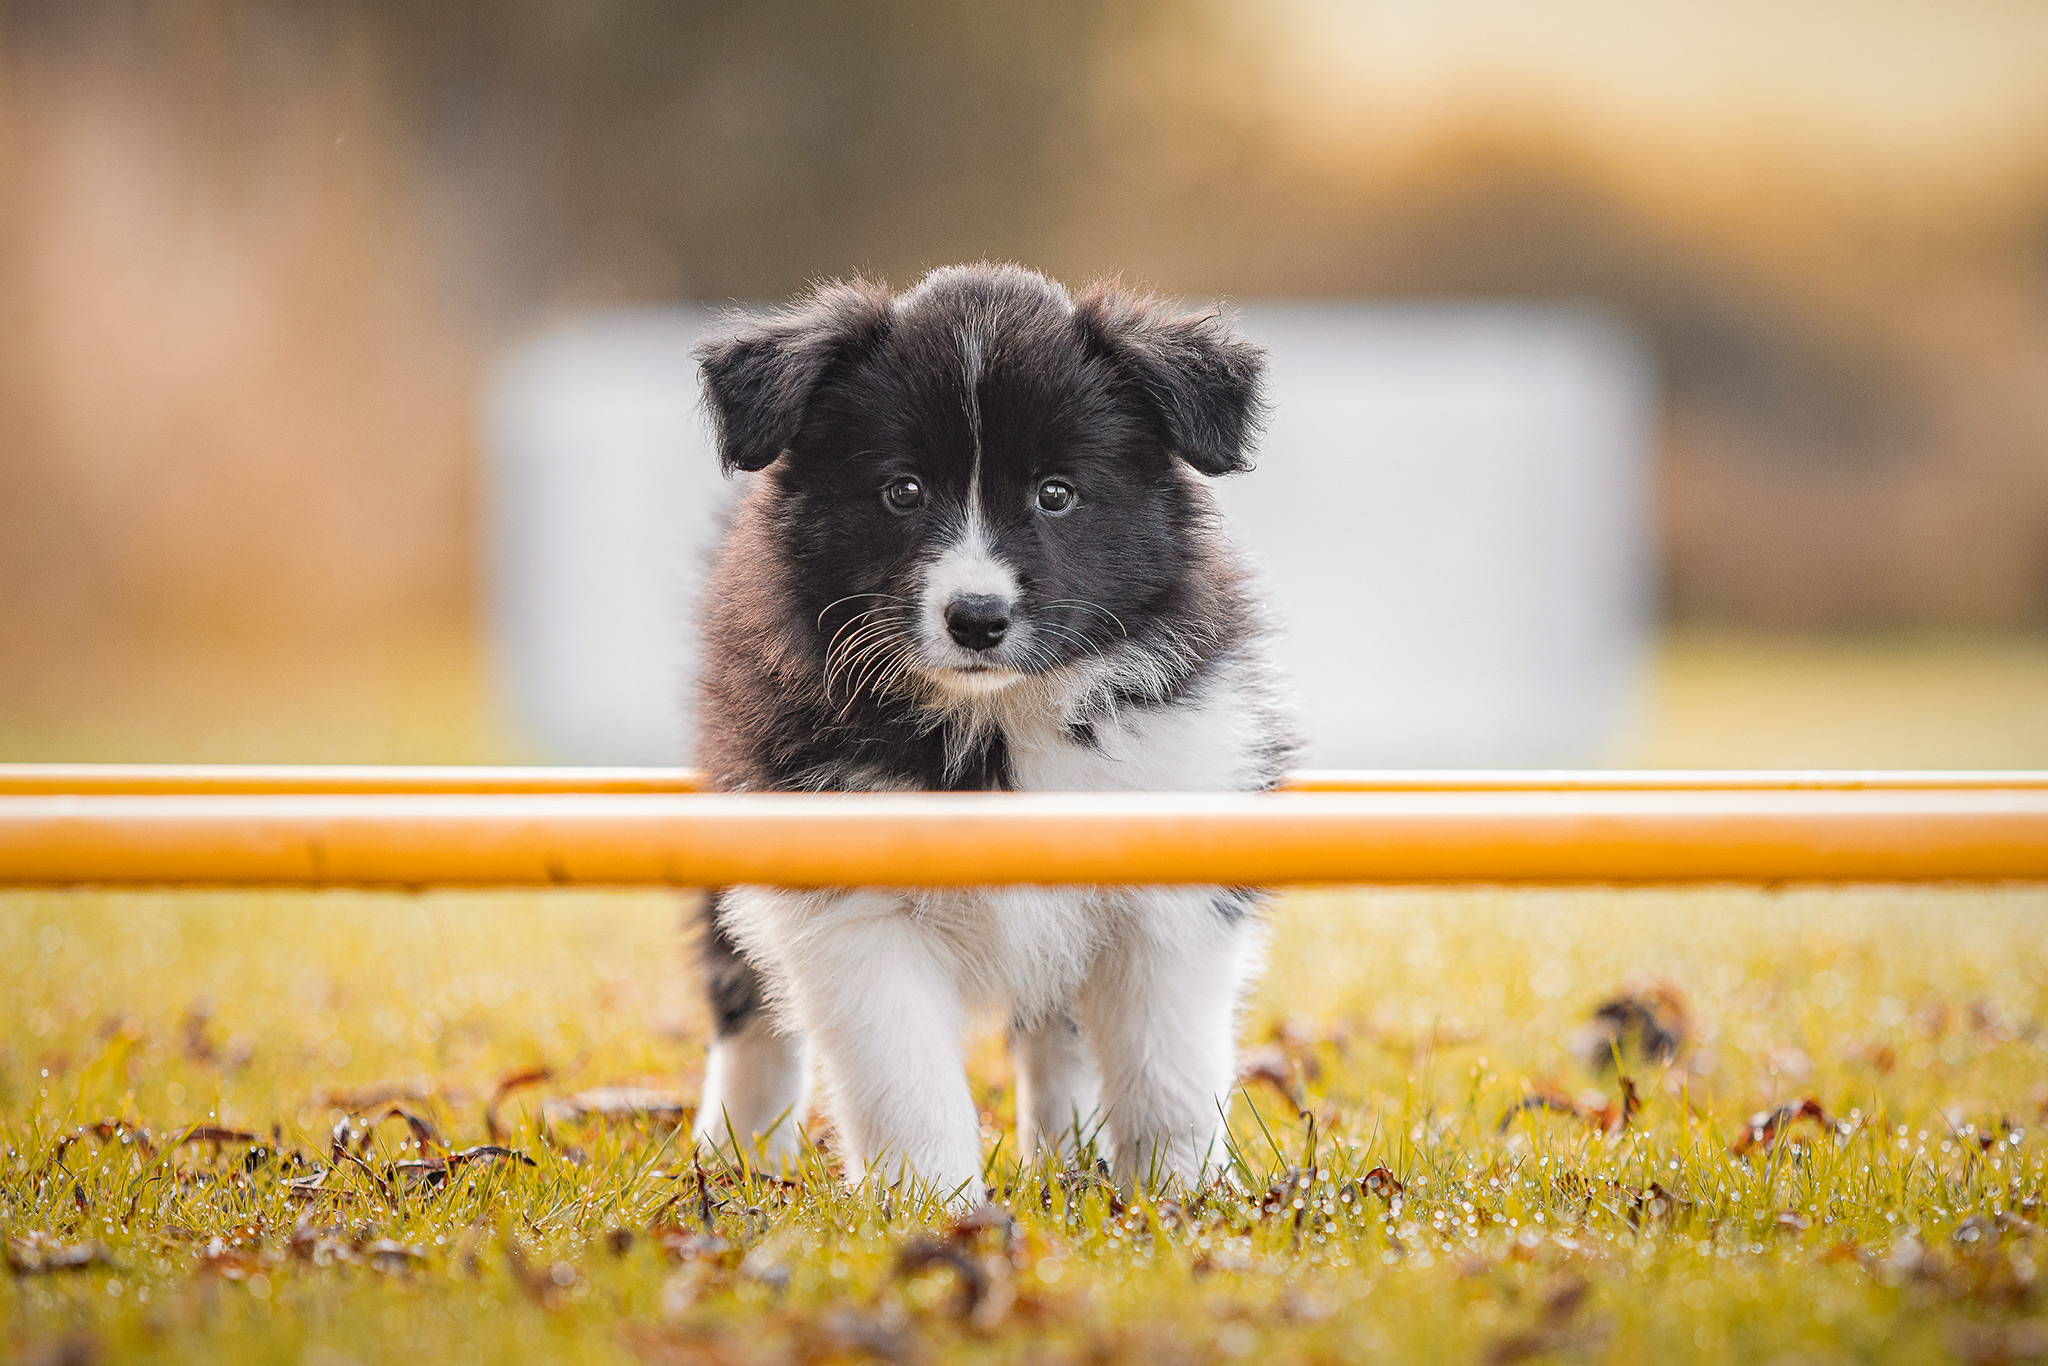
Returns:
(1058, 1091)
(885, 1016)
(1160, 1009)
(756, 1077)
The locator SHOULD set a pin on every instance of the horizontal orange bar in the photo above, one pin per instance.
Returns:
(236, 779)
(232, 779)
(958, 839)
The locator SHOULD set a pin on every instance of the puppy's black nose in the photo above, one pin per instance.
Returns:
(977, 620)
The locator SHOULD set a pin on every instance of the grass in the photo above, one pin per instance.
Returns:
(1446, 1190)
(1903, 1228)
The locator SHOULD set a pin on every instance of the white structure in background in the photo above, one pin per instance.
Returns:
(1452, 508)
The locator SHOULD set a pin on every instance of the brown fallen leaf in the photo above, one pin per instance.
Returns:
(516, 1081)
(1981, 1231)
(1998, 1344)
(972, 1280)
(1653, 1203)
(1557, 1329)
(1765, 1126)
(198, 1047)
(214, 1134)
(1382, 1183)
(352, 1133)
(106, 1130)
(688, 1245)
(320, 1246)
(1300, 1038)
(435, 1171)
(617, 1103)
(1648, 1022)
(228, 1263)
(390, 1255)
(37, 1255)
(1556, 1101)
(552, 1287)
(78, 1348)
(364, 1098)
(984, 1218)
(1269, 1065)
(1609, 1117)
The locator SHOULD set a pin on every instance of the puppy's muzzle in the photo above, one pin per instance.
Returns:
(977, 621)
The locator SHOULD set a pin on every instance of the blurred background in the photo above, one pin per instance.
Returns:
(262, 266)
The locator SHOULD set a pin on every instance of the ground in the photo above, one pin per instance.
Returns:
(1477, 1186)
(1833, 1154)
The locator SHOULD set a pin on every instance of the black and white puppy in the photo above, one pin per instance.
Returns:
(980, 555)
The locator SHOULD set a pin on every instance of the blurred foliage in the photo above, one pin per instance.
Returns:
(255, 254)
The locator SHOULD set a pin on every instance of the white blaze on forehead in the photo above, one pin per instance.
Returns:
(967, 567)
(971, 344)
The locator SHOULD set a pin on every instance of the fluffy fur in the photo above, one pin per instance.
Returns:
(979, 553)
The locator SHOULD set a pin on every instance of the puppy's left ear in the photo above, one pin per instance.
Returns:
(1205, 383)
(761, 373)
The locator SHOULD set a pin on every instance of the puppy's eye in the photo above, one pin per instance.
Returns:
(903, 495)
(1056, 496)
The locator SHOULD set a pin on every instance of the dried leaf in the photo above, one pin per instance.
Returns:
(1269, 1064)
(1998, 1344)
(1653, 1203)
(198, 1047)
(435, 1171)
(1765, 1126)
(72, 1349)
(1592, 1107)
(984, 1218)
(106, 1130)
(489, 1152)
(1555, 1101)
(37, 1255)
(617, 1103)
(352, 1133)
(364, 1098)
(320, 1246)
(552, 1287)
(1382, 1183)
(228, 1263)
(1648, 1022)
(214, 1134)
(516, 1081)
(923, 1254)
(390, 1255)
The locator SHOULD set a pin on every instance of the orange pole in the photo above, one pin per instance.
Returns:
(240, 779)
(524, 839)
(28, 780)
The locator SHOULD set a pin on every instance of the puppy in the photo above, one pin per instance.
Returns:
(979, 554)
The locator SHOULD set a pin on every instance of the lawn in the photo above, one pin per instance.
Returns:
(1833, 1152)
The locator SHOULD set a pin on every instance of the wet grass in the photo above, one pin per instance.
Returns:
(1832, 1152)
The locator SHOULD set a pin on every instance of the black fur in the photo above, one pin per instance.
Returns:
(733, 987)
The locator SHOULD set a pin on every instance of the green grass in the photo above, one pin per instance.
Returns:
(1905, 1230)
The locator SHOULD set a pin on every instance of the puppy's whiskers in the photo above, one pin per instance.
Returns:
(854, 597)
(859, 638)
(1092, 607)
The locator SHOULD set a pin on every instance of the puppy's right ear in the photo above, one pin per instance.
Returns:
(760, 373)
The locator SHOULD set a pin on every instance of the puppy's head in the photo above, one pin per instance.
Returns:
(983, 480)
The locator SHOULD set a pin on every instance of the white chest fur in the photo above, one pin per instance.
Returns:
(1209, 739)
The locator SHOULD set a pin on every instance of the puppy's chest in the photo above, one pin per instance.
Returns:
(1193, 744)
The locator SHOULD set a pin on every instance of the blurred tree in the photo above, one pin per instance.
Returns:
(253, 254)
